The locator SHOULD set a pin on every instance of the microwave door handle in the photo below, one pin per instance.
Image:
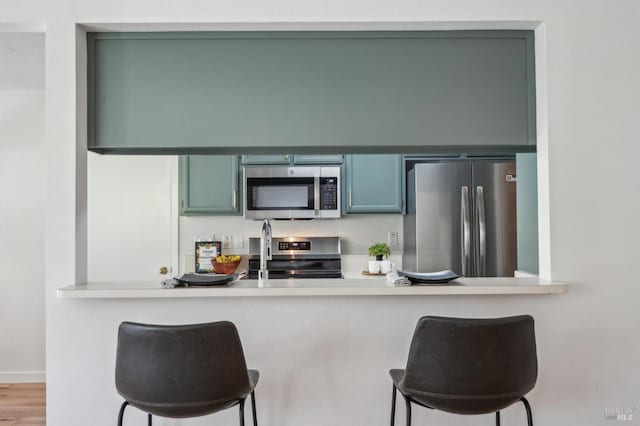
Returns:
(316, 195)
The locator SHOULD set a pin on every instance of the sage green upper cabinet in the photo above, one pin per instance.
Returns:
(209, 185)
(318, 159)
(310, 92)
(527, 212)
(266, 159)
(374, 183)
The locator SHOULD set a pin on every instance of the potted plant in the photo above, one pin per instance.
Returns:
(379, 250)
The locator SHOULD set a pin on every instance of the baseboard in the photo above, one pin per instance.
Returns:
(22, 377)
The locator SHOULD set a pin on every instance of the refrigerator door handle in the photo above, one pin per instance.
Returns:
(465, 235)
(482, 232)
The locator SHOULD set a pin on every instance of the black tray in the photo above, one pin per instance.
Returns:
(199, 280)
(441, 277)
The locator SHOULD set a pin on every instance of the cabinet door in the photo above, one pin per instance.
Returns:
(318, 159)
(266, 159)
(209, 185)
(374, 183)
(527, 212)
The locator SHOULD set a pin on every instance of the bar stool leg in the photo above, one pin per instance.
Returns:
(253, 408)
(528, 408)
(241, 412)
(408, 404)
(393, 406)
(121, 413)
(497, 418)
(149, 421)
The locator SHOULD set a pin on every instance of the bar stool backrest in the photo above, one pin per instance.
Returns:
(165, 364)
(472, 357)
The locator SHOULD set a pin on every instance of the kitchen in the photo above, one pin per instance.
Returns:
(335, 321)
(211, 207)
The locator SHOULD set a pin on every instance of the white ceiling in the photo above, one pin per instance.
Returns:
(21, 60)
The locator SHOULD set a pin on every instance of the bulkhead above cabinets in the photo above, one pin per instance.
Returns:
(328, 92)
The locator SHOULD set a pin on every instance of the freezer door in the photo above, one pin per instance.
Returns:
(443, 235)
(494, 217)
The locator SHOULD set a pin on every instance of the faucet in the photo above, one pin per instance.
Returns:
(265, 252)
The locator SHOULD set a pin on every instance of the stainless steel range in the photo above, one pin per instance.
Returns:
(298, 257)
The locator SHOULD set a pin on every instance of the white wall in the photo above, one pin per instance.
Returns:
(588, 345)
(22, 248)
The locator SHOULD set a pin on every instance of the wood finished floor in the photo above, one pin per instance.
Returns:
(22, 404)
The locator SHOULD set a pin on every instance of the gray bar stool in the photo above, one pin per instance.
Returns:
(468, 366)
(183, 371)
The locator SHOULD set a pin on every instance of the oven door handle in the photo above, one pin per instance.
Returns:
(316, 195)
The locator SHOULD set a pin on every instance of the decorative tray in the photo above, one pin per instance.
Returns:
(440, 277)
(200, 280)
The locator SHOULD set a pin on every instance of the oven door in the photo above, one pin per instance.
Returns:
(281, 193)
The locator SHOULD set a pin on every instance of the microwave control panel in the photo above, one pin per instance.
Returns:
(329, 193)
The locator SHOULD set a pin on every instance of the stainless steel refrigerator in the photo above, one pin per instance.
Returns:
(461, 216)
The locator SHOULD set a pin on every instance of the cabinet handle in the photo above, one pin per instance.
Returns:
(349, 198)
(234, 198)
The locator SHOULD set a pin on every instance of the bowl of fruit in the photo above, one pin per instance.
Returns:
(226, 264)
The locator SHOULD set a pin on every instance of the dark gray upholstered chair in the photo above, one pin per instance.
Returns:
(468, 366)
(183, 371)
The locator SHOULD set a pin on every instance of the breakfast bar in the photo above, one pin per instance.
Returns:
(314, 287)
(321, 340)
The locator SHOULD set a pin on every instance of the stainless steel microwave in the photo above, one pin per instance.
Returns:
(283, 192)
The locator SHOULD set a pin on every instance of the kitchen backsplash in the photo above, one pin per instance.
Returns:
(357, 232)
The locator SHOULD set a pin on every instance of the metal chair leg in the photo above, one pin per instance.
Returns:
(408, 404)
(241, 412)
(528, 408)
(149, 421)
(253, 408)
(497, 418)
(393, 406)
(121, 413)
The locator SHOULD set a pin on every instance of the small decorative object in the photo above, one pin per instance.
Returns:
(226, 264)
(380, 250)
(387, 266)
(206, 253)
(395, 280)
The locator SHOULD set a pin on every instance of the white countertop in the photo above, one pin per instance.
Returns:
(314, 287)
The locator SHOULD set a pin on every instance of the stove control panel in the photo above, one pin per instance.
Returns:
(294, 245)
